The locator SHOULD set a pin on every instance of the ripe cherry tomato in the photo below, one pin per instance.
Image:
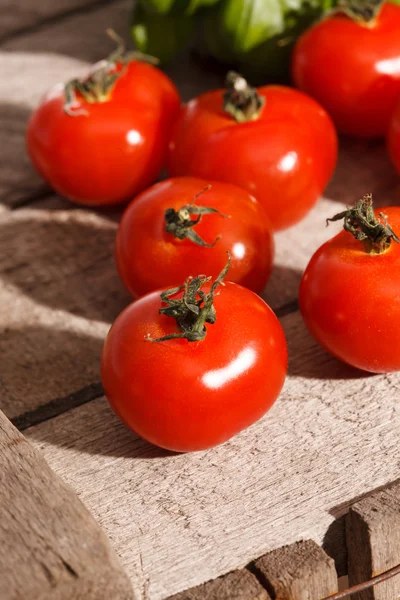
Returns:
(104, 139)
(394, 138)
(352, 67)
(158, 243)
(349, 294)
(190, 395)
(275, 142)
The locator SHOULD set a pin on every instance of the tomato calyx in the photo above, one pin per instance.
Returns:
(240, 100)
(361, 222)
(98, 85)
(193, 310)
(363, 12)
(181, 225)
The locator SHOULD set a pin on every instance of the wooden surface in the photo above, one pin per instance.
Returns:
(301, 571)
(47, 536)
(373, 541)
(175, 520)
(239, 585)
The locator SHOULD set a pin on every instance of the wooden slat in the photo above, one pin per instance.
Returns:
(239, 585)
(18, 15)
(51, 548)
(180, 520)
(301, 571)
(59, 292)
(373, 541)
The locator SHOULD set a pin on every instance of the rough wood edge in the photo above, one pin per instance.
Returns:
(373, 542)
(237, 585)
(298, 572)
(51, 547)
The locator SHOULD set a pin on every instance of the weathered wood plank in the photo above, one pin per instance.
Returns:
(80, 36)
(301, 571)
(373, 542)
(51, 547)
(239, 585)
(180, 520)
(59, 292)
(18, 15)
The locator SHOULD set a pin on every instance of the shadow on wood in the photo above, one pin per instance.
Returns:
(364, 167)
(18, 180)
(64, 260)
(40, 364)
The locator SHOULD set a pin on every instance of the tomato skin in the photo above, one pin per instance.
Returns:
(350, 301)
(285, 158)
(393, 138)
(353, 70)
(114, 151)
(149, 258)
(186, 396)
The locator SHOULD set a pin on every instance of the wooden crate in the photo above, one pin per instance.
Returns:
(177, 521)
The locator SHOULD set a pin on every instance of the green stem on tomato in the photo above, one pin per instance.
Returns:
(193, 310)
(180, 222)
(240, 100)
(98, 85)
(376, 235)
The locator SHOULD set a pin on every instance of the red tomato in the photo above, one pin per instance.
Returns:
(353, 69)
(149, 258)
(105, 152)
(394, 138)
(284, 157)
(350, 300)
(190, 395)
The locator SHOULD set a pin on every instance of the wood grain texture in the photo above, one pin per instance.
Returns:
(51, 547)
(181, 520)
(301, 571)
(373, 541)
(239, 585)
(19, 15)
(59, 292)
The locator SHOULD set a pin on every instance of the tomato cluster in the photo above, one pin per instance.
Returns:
(197, 358)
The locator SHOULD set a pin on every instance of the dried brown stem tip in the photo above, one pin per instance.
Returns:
(180, 222)
(193, 310)
(361, 222)
(241, 100)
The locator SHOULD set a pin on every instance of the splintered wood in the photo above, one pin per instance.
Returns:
(176, 521)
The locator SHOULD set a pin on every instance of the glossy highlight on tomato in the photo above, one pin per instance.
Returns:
(284, 157)
(105, 152)
(187, 396)
(353, 69)
(350, 300)
(150, 258)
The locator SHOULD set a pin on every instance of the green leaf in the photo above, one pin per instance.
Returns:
(247, 23)
(162, 36)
